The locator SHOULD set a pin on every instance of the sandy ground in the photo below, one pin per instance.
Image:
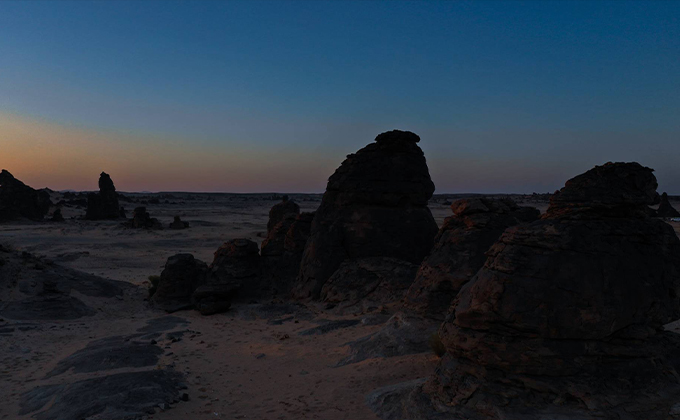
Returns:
(236, 366)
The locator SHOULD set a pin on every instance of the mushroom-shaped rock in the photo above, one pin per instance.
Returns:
(104, 204)
(375, 205)
(19, 200)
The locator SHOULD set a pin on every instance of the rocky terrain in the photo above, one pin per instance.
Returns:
(374, 300)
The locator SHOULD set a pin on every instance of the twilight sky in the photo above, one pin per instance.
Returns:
(247, 96)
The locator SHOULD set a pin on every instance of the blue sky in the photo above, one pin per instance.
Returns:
(507, 96)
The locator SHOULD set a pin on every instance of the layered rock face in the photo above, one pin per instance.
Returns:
(234, 271)
(103, 205)
(367, 284)
(19, 200)
(665, 208)
(179, 279)
(460, 251)
(375, 205)
(282, 250)
(565, 319)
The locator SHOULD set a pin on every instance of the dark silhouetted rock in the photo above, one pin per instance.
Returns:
(179, 279)
(282, 252)
(375, 205)
(235, 271)
(19, 200)
(565, 319)
(665, 208)
(104, 204)
(141, 219)
(613, 189)
(177, 223)
(122, 213)
(56, 216)
(460, 251)
(279, 212)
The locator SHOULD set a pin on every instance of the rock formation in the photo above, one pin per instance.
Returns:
(280, 211)
(19, 200)
(103, 205)
(282, 251)
(179, 279)
(375, 205)
(368, 284)
(460, 251)
(234, 271)
(565, 319)
(665, 208)
(141, 219)
(177, 223)
(57, 216)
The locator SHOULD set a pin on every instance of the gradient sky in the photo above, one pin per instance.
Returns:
(246, 96)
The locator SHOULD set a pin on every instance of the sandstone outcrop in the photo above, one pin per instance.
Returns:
(368, 284)
(141, 219)
(57, 216)
(375, 205)
(177, 223)
(565, 319)
(179, 279)
(460, 251)
(104, 204)
(234, 271)
(665, 208)
(18, 200)
(282, 252)
(280, 211)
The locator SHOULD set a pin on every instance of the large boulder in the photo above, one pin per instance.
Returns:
(375, 205)
(19, 200)
(179, 279)
(565, 320)
(104, 204)
(460, 251)
(282, 210)
(665, 208)
(235, 271)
